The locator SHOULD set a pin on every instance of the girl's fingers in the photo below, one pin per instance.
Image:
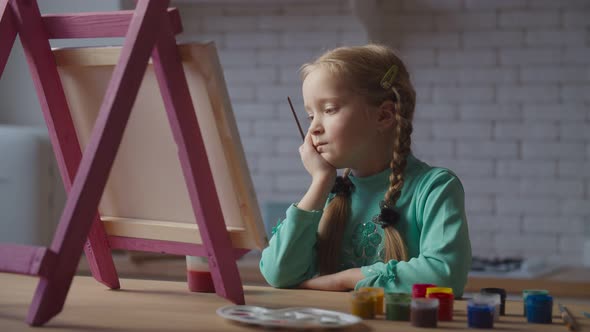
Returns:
(308, 141)
(307, 138)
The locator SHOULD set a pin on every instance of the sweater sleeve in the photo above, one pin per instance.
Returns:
(291, 256)
(445, 249)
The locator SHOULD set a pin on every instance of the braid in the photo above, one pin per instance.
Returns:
(331, 228)
(401, 150)
(394, 245)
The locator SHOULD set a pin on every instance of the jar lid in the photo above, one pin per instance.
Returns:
(527, 292)
(375, 290)
(494, 290)
(534, 299)
(361, 296)
(425, 303)
(398, 298)
(419, 290)
(487, 298)
(430, 290)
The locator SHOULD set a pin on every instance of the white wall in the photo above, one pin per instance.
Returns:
(31, 191)
(503, 99)
(18, 100)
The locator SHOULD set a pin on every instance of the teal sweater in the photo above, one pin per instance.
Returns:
(432, 224)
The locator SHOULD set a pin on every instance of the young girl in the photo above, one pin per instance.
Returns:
(391, 220)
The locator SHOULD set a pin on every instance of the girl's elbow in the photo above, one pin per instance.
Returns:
(455, 278)
(458, 280)
(277, 278)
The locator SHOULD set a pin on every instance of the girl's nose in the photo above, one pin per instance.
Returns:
(315, 127)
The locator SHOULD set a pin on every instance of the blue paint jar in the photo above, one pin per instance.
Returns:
(491, 299)
(527, 292)
(502, 292)
(539, 308)
(480, 315)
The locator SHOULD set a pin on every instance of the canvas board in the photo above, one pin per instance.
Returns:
(146, 195)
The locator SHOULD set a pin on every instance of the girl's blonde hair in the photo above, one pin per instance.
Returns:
(363, 68)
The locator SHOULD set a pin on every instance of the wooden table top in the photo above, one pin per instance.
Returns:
(148, 305)
(564, 282)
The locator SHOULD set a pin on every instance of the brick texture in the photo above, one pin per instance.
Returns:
(503, 100)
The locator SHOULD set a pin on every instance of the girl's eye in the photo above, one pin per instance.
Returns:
(310, 117)
(330, 110)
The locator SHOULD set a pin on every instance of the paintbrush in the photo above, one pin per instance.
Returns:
(296, 119)
(567, 317)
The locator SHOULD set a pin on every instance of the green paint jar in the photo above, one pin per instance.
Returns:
(397, 306)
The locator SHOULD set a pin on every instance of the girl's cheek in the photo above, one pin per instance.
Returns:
(338, 128)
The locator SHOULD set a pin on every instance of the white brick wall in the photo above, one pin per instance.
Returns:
(503, 100)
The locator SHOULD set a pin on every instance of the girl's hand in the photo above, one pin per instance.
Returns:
(314, 163)
(341, 281)
(323, 176)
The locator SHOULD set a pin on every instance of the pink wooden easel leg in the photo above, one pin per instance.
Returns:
(98, 158)
(195, 166)
(61, 130)
(7, 33)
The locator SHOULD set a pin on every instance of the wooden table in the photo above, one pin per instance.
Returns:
(564, 282)
(146, 305)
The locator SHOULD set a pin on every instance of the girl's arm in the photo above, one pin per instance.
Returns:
(316, 196)
(341, 281)
(291, 256)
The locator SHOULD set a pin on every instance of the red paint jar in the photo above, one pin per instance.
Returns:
(445, 305)
(419, 290)
(198, 276)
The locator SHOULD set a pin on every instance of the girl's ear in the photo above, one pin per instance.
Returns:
(386, 115)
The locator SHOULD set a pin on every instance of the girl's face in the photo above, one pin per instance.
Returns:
(344, 127)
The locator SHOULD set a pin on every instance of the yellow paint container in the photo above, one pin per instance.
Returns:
(362, 304)
(378, 293)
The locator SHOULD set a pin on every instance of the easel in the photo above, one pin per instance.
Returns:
(149, 29)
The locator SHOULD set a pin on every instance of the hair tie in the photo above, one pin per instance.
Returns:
(388, 216)
(341, 186)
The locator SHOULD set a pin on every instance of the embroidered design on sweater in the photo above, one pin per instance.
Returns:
(365, 246)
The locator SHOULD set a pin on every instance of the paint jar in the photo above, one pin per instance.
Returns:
(362, 304)
(419, 290)
(377, 293)
(491, 299)
(539, 308)
(198, 275)
(528, 292)
(480, 315)
(445, 304)
(424, 312)
(502, 292)
(397, 306)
